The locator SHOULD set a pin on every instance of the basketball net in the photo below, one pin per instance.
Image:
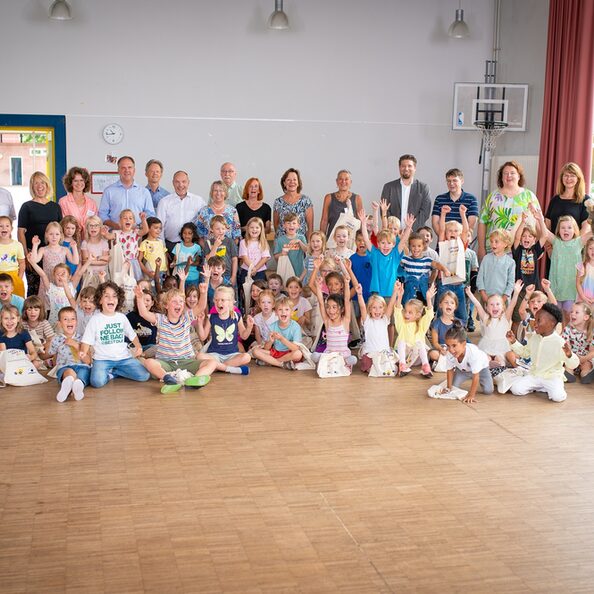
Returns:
(491, 131)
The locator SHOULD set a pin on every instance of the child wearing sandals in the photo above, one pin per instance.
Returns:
(174, 346)
(412, 323)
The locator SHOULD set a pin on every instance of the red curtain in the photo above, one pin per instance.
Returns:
(567, 120)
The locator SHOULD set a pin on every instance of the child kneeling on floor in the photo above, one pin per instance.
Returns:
(465, 361)
(174, 345)
(72, 372)
(548, 353)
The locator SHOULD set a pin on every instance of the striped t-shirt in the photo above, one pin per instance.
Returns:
(417, 267)
(173, 340)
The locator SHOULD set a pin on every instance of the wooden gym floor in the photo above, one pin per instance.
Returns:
(281, 482)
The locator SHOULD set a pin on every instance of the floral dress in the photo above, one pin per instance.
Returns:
(230, 215)
(505, 212)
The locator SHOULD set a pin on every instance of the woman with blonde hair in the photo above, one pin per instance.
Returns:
(34, 216)
(570, 198)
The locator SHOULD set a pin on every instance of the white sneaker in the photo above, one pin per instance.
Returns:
(65, 389)
(78, 389)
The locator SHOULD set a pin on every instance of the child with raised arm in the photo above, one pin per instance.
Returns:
(174, 346)
(412, 323)
(495, 323)
(385, 259)
(375, 317)
(418, 269)
(281, 348)
(128, 237)
(568, 243)
(548, 353)
(106, 333)
(72, 373)
(337, 319)
(452, 231)
(53, 253)
(223, 328)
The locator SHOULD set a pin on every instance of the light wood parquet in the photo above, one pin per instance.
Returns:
(282, 482)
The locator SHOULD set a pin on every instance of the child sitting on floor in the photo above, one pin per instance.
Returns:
(548, 353)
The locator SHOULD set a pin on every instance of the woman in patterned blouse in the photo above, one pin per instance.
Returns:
(293, 201)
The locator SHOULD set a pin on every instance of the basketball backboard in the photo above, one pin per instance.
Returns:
(505, 103)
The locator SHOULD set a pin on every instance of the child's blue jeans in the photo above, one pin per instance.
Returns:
(103, 371)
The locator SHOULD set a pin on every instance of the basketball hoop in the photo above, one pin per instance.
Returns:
(491, 131)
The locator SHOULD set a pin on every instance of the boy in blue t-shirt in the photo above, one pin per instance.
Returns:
(361, 267)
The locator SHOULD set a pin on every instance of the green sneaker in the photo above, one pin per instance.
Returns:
(170, 388)
(197, 381)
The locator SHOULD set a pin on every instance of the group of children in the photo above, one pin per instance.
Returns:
(375, 291)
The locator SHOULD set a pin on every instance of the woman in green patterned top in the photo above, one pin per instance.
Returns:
(503, 207)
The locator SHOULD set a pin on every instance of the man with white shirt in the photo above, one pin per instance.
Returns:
(178, 208)
(408, 195)
(234, 190)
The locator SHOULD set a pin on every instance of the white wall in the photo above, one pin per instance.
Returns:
(524, 27)
(353, 84)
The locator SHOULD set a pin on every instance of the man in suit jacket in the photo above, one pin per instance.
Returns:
(408, 192)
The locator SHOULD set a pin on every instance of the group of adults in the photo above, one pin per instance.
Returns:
(238, 204)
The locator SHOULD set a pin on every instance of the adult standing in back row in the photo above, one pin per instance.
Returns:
(407, 195)
(123, 194)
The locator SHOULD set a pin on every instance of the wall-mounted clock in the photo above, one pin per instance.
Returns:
(113, 133)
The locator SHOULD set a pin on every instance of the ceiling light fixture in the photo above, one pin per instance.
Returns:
(459, 29)
(60, 11)
(278, 19)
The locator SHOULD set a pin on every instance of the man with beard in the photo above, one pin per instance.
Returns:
(408, 195)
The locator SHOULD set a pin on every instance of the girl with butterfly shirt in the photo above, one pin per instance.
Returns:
(223, 327)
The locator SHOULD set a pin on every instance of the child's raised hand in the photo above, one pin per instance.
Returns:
(102, 275)
(375, 205)
(445, 209)
(203, 288)
(346, 262)
(182, 274)
(318, 261)
(530, 290)
(319, 282)
(104, 230)
(511, 337)
(158, 263)
(249, 320)
(518, 286)
(431, 291)
(410, 220)
(138, 292)
(468, 291)
(546, 284)
(35, 241)
(567, 350)
(359, 289)
(361, 214)
(384, 205)
(206, 271)
(399, 288)
(142, 215)
(463, 209)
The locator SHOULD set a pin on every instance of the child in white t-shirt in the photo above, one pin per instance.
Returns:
(105, 332)
(466, 361)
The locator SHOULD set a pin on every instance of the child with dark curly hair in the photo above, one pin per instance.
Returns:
(105, 332)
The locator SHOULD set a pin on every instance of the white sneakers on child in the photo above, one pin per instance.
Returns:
(69, 384)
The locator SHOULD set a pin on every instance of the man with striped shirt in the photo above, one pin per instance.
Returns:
(454, 198)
